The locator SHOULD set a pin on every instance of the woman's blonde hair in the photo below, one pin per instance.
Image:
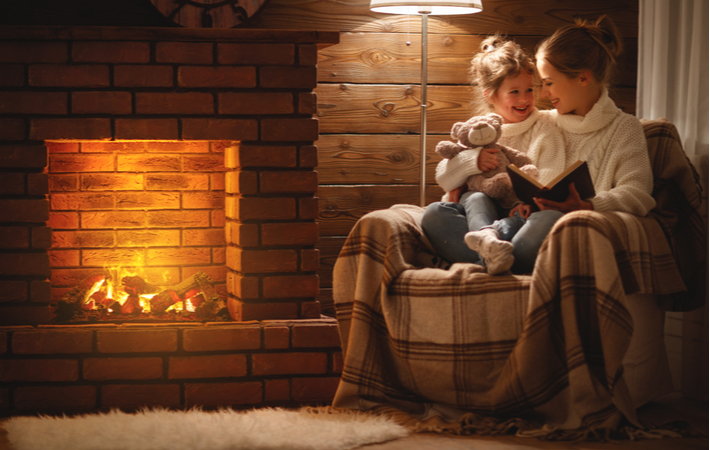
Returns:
(496, 60)
(593, 46)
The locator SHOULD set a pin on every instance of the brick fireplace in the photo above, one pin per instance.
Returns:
(177, 151)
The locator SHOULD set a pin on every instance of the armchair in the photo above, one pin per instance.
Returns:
(575, 346)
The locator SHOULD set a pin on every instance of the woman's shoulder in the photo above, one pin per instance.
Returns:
(627, 123)
(617, 117)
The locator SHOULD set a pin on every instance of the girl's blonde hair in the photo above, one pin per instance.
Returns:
(593, 46)
(496, 60)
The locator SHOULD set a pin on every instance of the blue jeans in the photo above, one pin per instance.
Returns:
(446, 224)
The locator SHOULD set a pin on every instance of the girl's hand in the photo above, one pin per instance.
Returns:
(573, 202)
(522, 209)
(487, 159)
(455, 195)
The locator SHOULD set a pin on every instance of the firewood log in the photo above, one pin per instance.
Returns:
(199, 283)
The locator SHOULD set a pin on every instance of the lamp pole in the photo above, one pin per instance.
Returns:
(422, 162)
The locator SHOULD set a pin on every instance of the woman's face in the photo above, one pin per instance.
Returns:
(561, 90)
(514, 99)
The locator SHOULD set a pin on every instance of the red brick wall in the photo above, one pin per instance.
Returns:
(86, 368)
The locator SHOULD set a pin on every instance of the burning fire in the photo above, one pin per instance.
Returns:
(123, 290)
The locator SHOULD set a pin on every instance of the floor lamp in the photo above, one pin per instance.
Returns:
(425, 8)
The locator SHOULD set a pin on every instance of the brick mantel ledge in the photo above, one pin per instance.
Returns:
(84, 368)
(31, 32)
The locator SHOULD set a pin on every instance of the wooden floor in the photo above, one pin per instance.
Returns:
(666, 409)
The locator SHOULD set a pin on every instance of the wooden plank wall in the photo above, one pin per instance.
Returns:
(369, 94)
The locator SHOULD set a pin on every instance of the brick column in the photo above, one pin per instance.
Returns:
(271, 231)
(24, 236)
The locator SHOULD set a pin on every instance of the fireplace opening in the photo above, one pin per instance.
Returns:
(137, 230)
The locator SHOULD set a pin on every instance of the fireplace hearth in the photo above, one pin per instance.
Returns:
(187, 157)
(171, 149)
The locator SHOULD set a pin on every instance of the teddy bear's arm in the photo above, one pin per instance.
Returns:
(448, 149)
(516, 157)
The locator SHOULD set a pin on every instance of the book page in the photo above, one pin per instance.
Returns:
(564, 173)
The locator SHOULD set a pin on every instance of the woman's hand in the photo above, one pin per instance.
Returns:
(573, 202)
(487, 159)
(522, 209)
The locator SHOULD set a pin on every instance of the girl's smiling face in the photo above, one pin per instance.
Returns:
(514, 100)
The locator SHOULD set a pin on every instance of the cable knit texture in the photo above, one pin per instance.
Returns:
(614, 145)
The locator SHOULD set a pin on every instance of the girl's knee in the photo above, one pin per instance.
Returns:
(438, 211)
(548, 216)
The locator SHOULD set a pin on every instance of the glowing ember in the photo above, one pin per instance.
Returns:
(122, 290)
(118, 293)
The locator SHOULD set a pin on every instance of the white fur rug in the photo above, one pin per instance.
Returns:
(261, 429)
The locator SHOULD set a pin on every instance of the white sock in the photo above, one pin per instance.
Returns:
(496, 254)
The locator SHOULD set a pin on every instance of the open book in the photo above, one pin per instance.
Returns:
(526, 187)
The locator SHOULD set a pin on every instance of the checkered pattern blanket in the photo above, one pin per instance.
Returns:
(492, 351)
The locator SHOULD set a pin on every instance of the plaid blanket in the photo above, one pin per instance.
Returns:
(494, 352)
(677, 191)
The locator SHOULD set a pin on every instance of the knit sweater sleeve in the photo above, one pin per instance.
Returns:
(452, 173)
(627, 181)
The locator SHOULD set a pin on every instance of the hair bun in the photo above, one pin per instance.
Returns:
(492, 43)
(605, 33)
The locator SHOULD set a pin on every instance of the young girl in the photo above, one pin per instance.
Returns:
(575, 65)
(502, 75)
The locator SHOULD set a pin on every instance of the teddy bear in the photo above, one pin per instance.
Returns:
(483, 132)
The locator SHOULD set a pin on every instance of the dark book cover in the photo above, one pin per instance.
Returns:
(557, 190)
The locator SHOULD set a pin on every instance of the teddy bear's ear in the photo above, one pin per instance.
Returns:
(495, 119)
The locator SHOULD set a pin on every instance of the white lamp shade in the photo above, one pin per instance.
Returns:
(434, 7)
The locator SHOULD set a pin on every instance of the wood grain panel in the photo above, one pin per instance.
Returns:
(351, 108)
(520, 17)
(375, 158)
(342, 206)
(359, 108)
(385, 58)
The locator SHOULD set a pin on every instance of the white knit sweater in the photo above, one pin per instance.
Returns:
(537, 136)
(540, 138)
(614, 145)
